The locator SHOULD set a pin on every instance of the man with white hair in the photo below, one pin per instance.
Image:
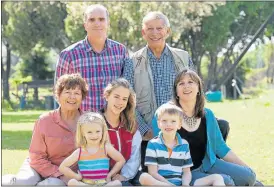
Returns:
(153, 70)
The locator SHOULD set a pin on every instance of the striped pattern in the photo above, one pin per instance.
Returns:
(93, 166)
(98, 69)
(169, 167)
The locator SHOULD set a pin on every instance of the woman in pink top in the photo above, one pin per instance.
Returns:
(53, 137)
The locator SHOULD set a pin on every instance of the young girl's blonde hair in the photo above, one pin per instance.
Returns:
(128, 114)
(90, 118)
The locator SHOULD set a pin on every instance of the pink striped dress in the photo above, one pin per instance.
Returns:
(94, 168)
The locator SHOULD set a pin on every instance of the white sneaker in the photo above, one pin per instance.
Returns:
(8, 179)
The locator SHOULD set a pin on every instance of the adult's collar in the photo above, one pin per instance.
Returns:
(164, 52)
(88, 46)
(57, 115)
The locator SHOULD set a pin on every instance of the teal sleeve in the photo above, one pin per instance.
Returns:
(218, 144)
(155, 129)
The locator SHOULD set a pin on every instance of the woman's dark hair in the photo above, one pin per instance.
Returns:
(200, 102)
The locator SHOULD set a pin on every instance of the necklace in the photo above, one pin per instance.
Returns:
(191, 122)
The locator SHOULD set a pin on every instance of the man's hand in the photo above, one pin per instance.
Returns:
(119, 177)
(148, 135)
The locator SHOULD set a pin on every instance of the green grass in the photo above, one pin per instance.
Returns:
(16, 135)
(251, 134)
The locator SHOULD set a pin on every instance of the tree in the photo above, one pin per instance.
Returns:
(28, 25)
(226, 31)
(33, 23)
(5, 66)
(126, 19)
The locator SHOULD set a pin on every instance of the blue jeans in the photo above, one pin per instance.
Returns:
(233, 174)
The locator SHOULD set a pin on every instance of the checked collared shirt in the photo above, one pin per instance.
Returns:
(98, 69)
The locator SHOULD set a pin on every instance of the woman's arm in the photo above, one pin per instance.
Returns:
(186, 177)
(38, 153)
(233, 158)
(131, 167)
(117, 157)
(217, 142)
(153, 171)
(69, 161)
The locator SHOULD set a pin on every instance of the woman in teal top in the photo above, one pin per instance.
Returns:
(201, 130)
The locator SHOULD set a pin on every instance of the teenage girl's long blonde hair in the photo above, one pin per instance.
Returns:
(128, 114)
(90, 118)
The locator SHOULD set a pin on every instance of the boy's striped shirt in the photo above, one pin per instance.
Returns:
(169, 167)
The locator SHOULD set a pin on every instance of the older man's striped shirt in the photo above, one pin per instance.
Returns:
(169, 166)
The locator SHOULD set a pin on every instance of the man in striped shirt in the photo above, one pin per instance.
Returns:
(98, 59)
(168, 155)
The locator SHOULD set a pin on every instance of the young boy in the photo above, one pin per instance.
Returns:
(168, 155)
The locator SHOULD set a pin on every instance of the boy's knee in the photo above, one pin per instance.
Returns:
(218, 180)
(218, 177)
(143, 178)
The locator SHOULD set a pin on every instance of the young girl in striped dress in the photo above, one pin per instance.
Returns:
(93, 154)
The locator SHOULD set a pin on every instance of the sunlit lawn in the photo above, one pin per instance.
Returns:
(251, 134)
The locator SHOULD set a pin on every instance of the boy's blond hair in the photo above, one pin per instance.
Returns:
(88, 119)
(170, 109)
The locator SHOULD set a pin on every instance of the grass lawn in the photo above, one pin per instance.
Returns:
(251, 134)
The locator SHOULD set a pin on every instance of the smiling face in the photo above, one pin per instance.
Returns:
(93, 133)
(187, 89)
(117, 100)
(155, 33)
(70, 99)
(169, 124)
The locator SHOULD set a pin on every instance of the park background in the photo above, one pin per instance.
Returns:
(227, 41)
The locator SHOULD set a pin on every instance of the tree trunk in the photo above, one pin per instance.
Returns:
(35, 94)
(212, 71)
(6, 74)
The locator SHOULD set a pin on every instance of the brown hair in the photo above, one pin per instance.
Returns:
(200, 99)
(70, 81)
(128, 114)
(90, 118)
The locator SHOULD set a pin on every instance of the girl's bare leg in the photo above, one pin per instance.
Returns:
(74, 182)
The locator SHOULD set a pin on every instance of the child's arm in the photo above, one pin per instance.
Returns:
(186, 177)
(153, 171)
(117, 157)
(69, 161)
